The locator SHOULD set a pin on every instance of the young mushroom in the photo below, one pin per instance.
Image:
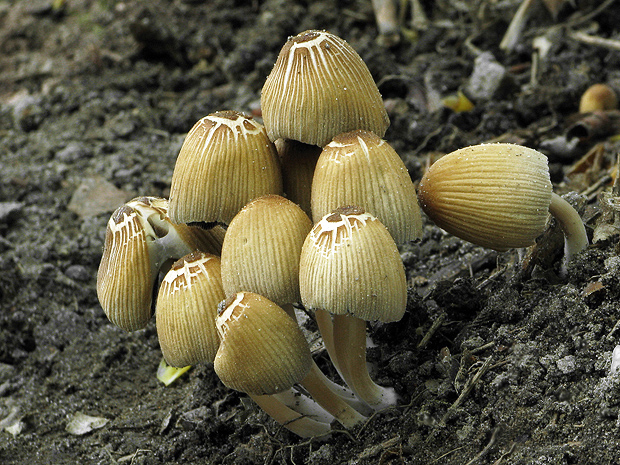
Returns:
(350, 266)
(187, 308)
(498, 196)
(598, 97)
(320, 87)
(140, 242)
(226, 160)
(359, 168)
(263, 352)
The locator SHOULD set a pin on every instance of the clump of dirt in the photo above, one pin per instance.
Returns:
(498, 359)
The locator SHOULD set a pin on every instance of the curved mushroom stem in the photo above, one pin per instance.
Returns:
(575, 237)
(304, 405)
(326, 328)
(350, 347)
(329, 400)
(290, 419)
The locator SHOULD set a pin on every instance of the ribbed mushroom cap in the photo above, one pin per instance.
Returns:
(318, 88)
(226, 160)
(359, 168)
(298, 161)
(262, 247)
(140, 239)
(262, 349)
(187, 308)
(350, 265)
(494, 195)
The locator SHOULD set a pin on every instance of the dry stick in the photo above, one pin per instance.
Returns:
(486, 449)
(467, 389)
(513, 34)
(593, 40)
(431, 331)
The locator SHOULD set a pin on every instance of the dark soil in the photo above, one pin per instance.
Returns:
(95, 100)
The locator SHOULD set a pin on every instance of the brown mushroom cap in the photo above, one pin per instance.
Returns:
(187, 308)
(320, 87)
(494, 195)
(350, 265)
(262, 350)
(598, 97)
(359, 168)
(262, 247)
(226, 161)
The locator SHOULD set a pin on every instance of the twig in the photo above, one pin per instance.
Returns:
(513, 33)
(594, 40)
(486, 449)
(434, 327)
(469, 386)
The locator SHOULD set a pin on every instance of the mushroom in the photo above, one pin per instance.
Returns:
(140, 242)
(226, 160)
(261, 253)
(320, 87)
(498, 196)
(359, 168)
(261, 249)
(350, 266)
(598, 97)
(263, 352)
(187, 308)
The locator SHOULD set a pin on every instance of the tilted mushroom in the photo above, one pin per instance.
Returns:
(226, 160)
(320, 87)
(187, 308)
(350, 266)
(263, 352)
(140, 242)
(359, 168)
(498, 196)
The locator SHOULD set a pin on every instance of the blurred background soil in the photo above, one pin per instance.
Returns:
(96, 97)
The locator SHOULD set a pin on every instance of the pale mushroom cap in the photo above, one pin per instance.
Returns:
(262, 247)
(126, 273)
(262, 349)
(187, 308)
(359, 168)
(226, 161)
(598, 97)
(350, 265)
(320, 87)
(494, 195)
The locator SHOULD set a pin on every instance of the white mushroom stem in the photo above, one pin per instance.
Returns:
(304, 405)
(289, 418)
(343, 412)
(324, 321)
(575, 237)
(349, 335)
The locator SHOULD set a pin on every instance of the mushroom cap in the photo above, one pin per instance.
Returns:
(350, 265)
(298, 161)
(262, 349)
(493, 195)
(359, 168)
(598, 97)
(226, 160)
(262, 247)
(187, 308)
(320, 87)
(140, 239)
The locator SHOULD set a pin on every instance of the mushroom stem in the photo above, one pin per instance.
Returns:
(343, 412)
(326, 328)
(304, 405)
(350, 348)
(575, 237)
(290, 419)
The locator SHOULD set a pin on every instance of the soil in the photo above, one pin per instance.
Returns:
(96, 97)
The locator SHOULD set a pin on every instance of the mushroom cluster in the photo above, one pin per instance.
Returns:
(305, 212)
